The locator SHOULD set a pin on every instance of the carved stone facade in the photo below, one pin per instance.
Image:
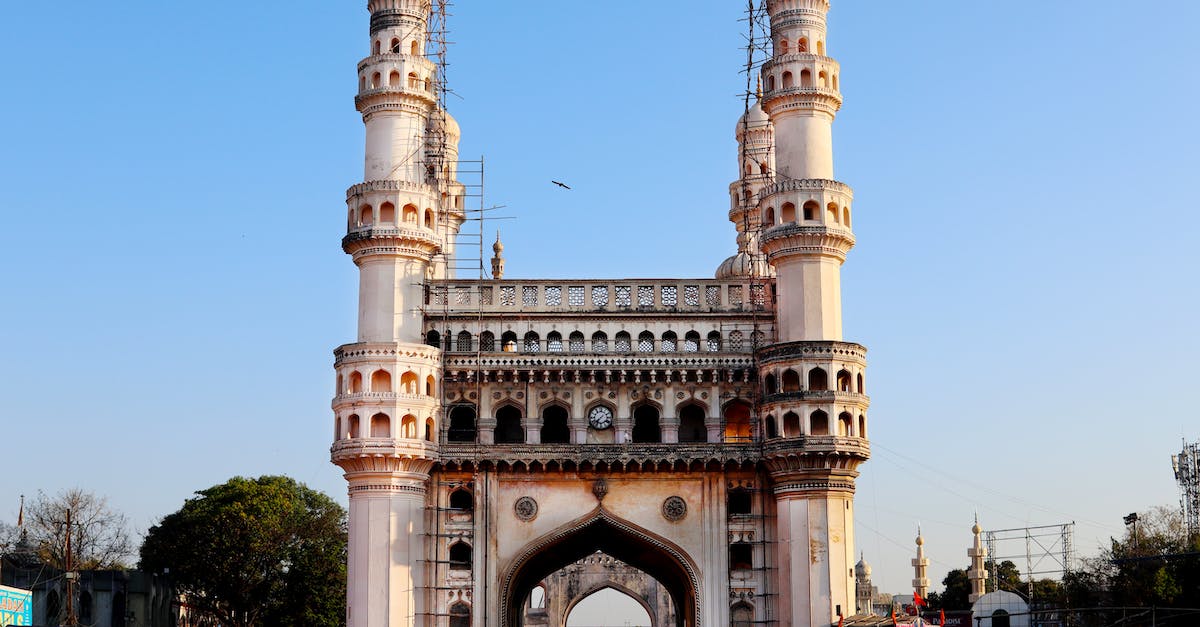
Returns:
(500, 435)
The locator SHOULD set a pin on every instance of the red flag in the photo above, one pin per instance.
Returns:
(894, 623)
(918, 601)
(840, 620)
(942, 615)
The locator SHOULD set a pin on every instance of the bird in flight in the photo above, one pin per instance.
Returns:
(562, 185)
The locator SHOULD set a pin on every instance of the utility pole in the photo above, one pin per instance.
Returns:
(72, 620)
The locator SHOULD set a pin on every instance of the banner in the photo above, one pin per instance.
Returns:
(16, 607)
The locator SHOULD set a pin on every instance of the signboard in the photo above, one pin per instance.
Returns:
(16, 607)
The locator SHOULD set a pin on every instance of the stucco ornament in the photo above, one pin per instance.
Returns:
(674, 508)
(600, 489)
(525, 508)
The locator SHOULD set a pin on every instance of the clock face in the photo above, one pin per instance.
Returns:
(600, 417)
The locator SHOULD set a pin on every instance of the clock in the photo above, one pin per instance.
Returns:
(600, 417)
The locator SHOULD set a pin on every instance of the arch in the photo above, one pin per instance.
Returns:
(770, 384)
(462, 500)
(487, 342)
(791, 425)
(845, 381)
(555, 427)
(409, 214)
(802, 45)
(599, 342)
(362, 82)
(787, 213)
(600, 530)
(691, 424)
(532, 343)
(772, 429)
(377, 47)
(714, 341)
(430, 386)
(670, 342)
(788, 80)
(381, 426)
(460, 615)
(818, 380)
(823, 78)
(537, 598)
(414, 48)
(769, 217)
(645, 342)
(845, 426)
(430, 429)
(645, 424)
(463, 345)
(429, 219)
(381, 381)
(554, 343)
(771, 83)
(408, 427)
(834, 213)
(783, 46)
(413, 80)
(408, 382)
(806, 78)
(818, 423)
(623, 343)
(508, 426)
(356, 382)
(836, 87)
(508, 342)
(737, 422)
(462, 424)
(741, 615)
(738, 502)
(394, 79)
(859, 388)
(353, 427)
(812, 210)
(366, 215)
(387, 214)
(461, 556)
(691, 342)
(575, 342)
(862, 426)
(821, 47)
(1000, 618)
(846, 217)
(610, 585)
(791, 381)
(433, 338)
(376, 80)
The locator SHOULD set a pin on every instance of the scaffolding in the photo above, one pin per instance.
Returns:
(1187, 472)
(1049, 551)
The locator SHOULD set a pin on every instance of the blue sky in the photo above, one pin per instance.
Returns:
(171, 205)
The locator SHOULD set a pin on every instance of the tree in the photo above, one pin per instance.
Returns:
(265, 551)
(99, 534)
(956, 592)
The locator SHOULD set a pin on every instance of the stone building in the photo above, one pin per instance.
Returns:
(705, 432)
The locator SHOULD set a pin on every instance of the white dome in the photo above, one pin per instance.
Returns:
(862, 569)
(754, 119)
(742, 266)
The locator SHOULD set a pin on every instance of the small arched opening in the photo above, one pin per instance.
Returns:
(408, 382)
(487, 342)
(462, 424)
(460, 615)
(623, 343)
(366, 215)
(554, 343)
(714, 342)
(691, 342)
(429, 219)
(845, 424)
(460, 556)
(738, 502)
(430, 429)
(862, 426)
(575, 342)
(645, 425)
(834, 213)
(430, 386)
(356, 382)
(462, 500)
(508, 341)
(381, 381)
(394, 79)
(769, 217)
(463, 344)
(670, 342)
(818, 423)
(788, 80)
(555, 425)
(788, 213)
(806, 78)
(845, 381)
(409, 214)
(599, 342)
(395, 47)
(508, 426)
(387, 214)
(741, 556)
(433, 338)
(772, 428)
(408, 427)
(770, 385)
(645, 342)
(802, 45)
(381, 426)
(818, 380)
(737, 422)
(533, 342)
(791, 425)
(691, 424)
(354, 426)
(791, 381)
(812, 211)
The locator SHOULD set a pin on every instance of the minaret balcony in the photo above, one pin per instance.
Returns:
(395, 241)
(414, 100)
(779, 401)
(396, 59)
(382, 399)
(801, 99)
(349, 450)
(819, 451)
(797, 240)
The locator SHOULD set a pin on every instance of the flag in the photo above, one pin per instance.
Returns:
(841, 619)
(942, 616)
(894, 623)
(917, 600)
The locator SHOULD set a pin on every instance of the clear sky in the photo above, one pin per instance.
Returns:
(172, 182)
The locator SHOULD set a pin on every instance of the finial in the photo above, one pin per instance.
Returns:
(758, 92)
(21, 513)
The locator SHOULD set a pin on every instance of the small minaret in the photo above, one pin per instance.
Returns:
(756, 151)
(498, 258)
(864, 592)
(978, 572)
(920, 567)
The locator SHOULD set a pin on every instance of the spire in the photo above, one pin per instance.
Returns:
(920, 567)
(21, 513)
(978, 553)
(498, 258)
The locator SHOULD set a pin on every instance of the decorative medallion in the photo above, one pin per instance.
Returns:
(679, 395)
(704, 395)
(600, 489)
(543, 395)
(612, 395)
(472, 395)
(657, 393)
(496, 395)
(525, 508)
(674, 508)
(520, 395)
(588, 395)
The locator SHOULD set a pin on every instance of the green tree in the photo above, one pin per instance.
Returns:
(265, 551)
(956, 588)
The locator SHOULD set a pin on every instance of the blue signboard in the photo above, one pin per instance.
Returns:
(16, 607)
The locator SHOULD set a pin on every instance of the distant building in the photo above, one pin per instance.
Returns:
(104, 598)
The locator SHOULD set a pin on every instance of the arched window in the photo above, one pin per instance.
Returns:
(806, 79)
(381, 381)
(783, 46)
(645, 342)
(791, 425)
(736, 340)
(771, 83)
(387, 214)
(410, 214)
(860, 383)
(645, 424)
(429, 219)
(812, 210)
(770, 385)
(836, 87)
(599, 342)
(844, 381)
(462, 424)
(738, 502)
(508, 342)
(413, 80)
(433, 338)
(430, 429)
(741, 556)
(555, 429)
(356, 382)
(376, 80)
(741, 615)
(691, 342)
(354, 428)
(862, 426)
(395, 47)
(554, 342)
(845, 424)
(394, 79)
(462, 500)
(788, 81)
(670, 343)
(430, 386)
(460, 615)
(381, 426)
(366, 215)
(460, 556)
(464, 342)
(408, 427)
(575, 342)
(787, 213)
(772, 429)
(802, 45)
(834, 214)
(487, 342)
(413, 48)
(818, 380)
(623, 343)
(691, 424)
(846, 216)
(533, 342)
(714, 342)
(537, 598)
(508, 426)
(408, 382)
(769, 217)
(737, 422)
(818, 423)
(1000, 618)
(791, 381)
(823, 79)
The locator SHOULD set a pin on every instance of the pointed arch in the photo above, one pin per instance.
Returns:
(692, 427)
(616, 587)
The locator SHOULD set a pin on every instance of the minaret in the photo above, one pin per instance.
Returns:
(920, 568)
(814, 402)
(865, 596)
(386, 406)
(498, 258)
(756, 152)
(978, 571)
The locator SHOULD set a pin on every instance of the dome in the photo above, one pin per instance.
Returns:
(742, 266)
(756, 118)
(862, 569)
(452, 129)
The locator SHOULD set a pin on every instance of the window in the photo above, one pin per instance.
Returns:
(575, 296)
(487, 342)
(623, 296)
(691, 342)
(669, 343)
(462, 500)
(485, 295)
(714, 342)
(844, 381)
(670, 295)
(645, 342)
(819, 423)
(554, 296)
(737, 422)
(645, 425)
(624, 343)
(735, 295)
(529, 295)
(691, 295)
(381, 381)
(741, 556)
(741, 615)
(462, 424)
(818, 380)
(735, 341)
(460, 615)
(791, 381)
(645, 296)
(555, 429)
(599, 296)
(712, 295)
(772, 429)
(691, 424)
(554, 343)
(791, 425)
(508, 295)
(599, 342)
(533, 343)
(508, 342)
(508, 426)
(433, 338)
(381, 426)
(738, 502)
(460, 556)
(464, 342)
(575, 342)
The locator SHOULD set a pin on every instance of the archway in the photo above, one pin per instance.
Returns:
(601, 531)
(610, 605)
